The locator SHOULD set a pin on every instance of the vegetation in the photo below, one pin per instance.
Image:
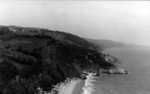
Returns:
(31, 58)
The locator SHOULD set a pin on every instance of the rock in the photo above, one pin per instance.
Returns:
(116, 70)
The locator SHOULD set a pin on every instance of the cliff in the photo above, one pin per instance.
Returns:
(33, 57)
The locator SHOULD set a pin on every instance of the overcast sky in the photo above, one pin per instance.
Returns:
(125, 21)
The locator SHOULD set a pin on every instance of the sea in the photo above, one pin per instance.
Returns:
(136, 60)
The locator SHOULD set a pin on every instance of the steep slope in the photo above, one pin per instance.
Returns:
(31, 58)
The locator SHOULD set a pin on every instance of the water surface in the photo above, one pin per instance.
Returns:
(137, 62)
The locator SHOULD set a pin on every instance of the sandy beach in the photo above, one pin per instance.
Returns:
(72, 87)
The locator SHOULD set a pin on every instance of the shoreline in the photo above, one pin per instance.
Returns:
(71, 87)
(78, 87)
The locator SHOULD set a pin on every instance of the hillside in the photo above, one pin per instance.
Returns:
(33, 57)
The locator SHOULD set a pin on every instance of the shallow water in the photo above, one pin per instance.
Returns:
(137, 62)
(89, 86)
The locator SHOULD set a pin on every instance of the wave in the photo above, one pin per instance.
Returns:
(89, 86)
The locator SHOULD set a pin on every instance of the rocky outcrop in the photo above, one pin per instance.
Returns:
(33, 57)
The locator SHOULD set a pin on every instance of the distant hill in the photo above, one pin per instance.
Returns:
(103, 44)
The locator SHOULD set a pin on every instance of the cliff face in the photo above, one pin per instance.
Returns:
(32, 58)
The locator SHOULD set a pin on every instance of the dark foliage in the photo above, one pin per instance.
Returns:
(32, 58)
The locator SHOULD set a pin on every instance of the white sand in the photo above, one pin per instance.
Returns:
(74, 86)
(68, 87)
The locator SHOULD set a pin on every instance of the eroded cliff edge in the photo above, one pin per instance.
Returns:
(34, 57)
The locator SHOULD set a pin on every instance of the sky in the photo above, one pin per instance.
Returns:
(123, 21)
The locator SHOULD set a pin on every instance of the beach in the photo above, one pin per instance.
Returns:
(78, 87)
(74, 86)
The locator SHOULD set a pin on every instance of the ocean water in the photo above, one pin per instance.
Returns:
(137, 62)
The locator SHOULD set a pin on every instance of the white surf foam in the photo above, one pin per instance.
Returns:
(89, 87)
